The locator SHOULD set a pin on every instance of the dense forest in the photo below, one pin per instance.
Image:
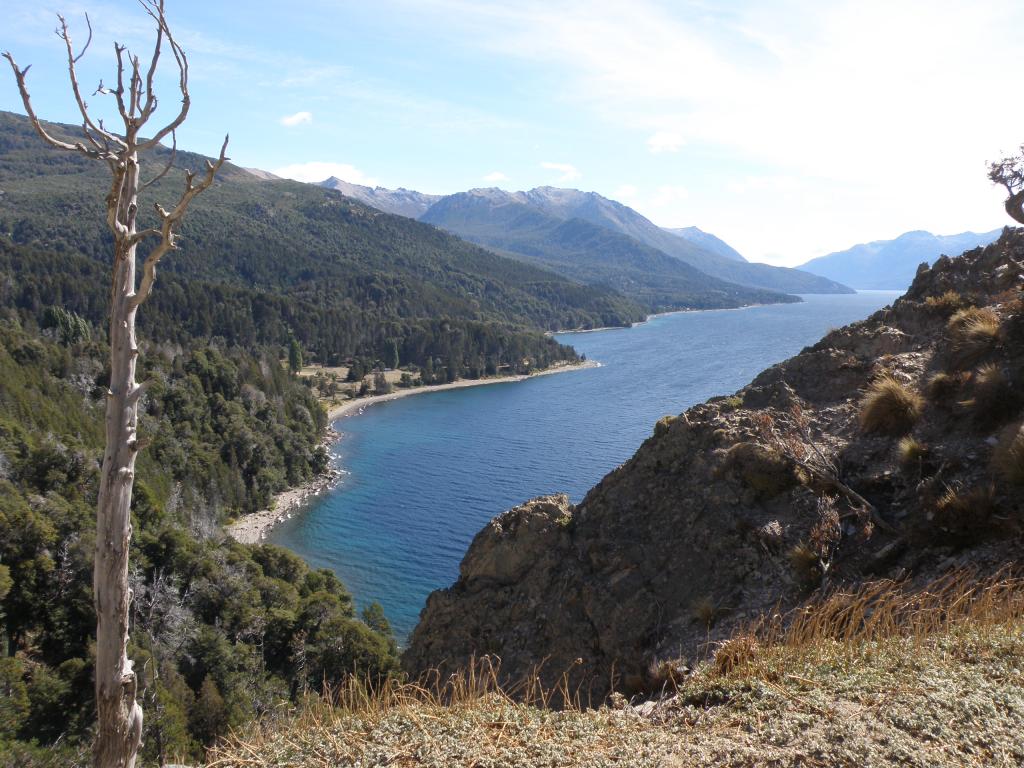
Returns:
(222, 632)
(264, 262)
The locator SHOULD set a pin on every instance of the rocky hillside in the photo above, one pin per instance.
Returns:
(892, 447)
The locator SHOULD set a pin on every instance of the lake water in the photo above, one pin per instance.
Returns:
(425, 473)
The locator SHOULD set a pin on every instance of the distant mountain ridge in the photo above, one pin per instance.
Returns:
(706, 252)
(525, 225)
(402, 202)
(707, 241)
(892, 264)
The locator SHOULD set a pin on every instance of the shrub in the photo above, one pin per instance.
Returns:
(736, 653)
(763, 469)
(704, 611)
(663, 424)
(806, 565)
(942, 388)
(946, 304)
(1008, 457)
(974, 333)
(889, 407)
(995, 400)
(911, 452)
(961, 518)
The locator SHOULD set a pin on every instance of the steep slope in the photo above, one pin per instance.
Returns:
(752, 501)
(511, 223)
(891, 264)
(368, 277)
(401, 202)
(592, 207)
(707, 241)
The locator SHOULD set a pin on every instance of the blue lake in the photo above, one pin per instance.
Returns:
(425, 473)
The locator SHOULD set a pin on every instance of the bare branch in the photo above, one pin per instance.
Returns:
(85, 47)
(155, 8)
(170, 162)
(170, 220)
(119, 91)
(65, 35)
(151, 100)
(26, 99)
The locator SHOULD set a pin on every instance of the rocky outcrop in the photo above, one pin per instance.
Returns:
(725, 512)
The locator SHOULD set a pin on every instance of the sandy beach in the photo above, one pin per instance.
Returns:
(253, 528)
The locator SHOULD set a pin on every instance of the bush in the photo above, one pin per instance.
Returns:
(911, 453)
(974, 333)
(942, 388)
(1008, 458)
(890, 408)
(961, 518)
(946, 304)
(806, 565)
(995, 400)
(763, 469)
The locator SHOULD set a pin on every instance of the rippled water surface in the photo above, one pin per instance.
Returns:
(425, 473)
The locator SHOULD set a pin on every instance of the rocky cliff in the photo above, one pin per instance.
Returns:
(893, 446)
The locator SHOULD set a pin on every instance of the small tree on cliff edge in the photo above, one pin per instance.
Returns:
(1010, 173)
(119, 716)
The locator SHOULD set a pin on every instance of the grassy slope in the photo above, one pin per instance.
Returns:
(934, 680)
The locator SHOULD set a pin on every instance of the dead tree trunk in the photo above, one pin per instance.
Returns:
(119, 716)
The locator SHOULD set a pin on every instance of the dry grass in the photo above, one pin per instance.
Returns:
(848, 624)
(945, 304)
(994, 399)
(806, 565)
(974, 334)
(889, 407)
(911, 453)
(884, 674)
(942, 388)
(1008, 457)
(960, 517)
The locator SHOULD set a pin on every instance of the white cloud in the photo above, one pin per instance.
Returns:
(568, 172)
(495, 176)
(299, 118)
(873, 105)
(665, 141)
(319, 171)
(626, 193)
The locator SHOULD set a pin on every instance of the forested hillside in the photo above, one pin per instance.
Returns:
(222, 632)
(284, 258)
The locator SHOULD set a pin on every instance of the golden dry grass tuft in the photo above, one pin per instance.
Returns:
(1008, 456)
(960, 517)
(889, 407)
(911, 452)
(994, 399)
(945, 304)
(942, 388)
(974, 334)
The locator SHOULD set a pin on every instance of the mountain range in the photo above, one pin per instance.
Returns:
(571, 232)
(892, 264)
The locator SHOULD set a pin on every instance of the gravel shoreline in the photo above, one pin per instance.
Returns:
(253, 528)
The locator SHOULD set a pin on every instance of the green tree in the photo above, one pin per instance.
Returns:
(294, 356)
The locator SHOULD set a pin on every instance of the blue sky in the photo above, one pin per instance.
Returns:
(790, 128)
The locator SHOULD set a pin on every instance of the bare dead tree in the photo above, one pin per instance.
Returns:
(1010, 173)
(119, 716)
